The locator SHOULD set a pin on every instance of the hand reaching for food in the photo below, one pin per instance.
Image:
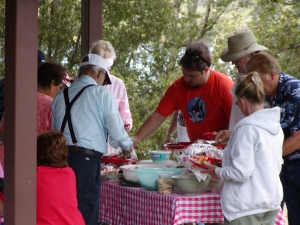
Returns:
(127, 126)
(210, 171)
(223, 136)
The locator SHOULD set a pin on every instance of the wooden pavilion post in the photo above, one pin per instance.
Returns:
(20, 111)
(20, 101)
(91, 23)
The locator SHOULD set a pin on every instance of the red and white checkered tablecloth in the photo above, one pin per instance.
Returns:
(202, 208)
(121, 205)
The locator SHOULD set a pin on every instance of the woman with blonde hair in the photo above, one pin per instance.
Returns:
(117, 86)
(251, 164)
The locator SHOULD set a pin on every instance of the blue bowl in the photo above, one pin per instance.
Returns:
(148, 177)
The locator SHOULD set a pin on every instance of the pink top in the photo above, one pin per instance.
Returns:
(1, 171)
(119, 91)
(44, 113)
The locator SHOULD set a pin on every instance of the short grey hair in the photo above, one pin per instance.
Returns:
(84, 69)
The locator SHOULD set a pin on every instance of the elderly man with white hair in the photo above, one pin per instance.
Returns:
(86, 112)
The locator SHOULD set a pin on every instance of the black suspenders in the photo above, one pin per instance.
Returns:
(67, 116)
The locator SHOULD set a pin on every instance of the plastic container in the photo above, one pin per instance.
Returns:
(148, 177)
(164, 182)
(160, 155)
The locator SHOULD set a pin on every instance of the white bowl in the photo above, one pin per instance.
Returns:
(169, 163)
(129, 171)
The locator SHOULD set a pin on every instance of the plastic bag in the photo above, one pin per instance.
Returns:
(195, 158)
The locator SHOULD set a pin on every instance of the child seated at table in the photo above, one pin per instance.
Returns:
(56, 201)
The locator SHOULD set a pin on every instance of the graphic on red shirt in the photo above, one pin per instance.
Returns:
(196, 109)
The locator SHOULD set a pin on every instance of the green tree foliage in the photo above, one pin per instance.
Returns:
(148, 60)
(150, 37)
(277, 22)
(59, 31)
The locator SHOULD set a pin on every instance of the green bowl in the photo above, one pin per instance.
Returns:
(190, 185)
(148, 177)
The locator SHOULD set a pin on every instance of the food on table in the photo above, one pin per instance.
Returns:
(110, 172)
(211, 135)
(123, 156)
(203, 159)
(119, 159)
(165, 185)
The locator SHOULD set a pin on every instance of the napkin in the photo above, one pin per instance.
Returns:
(197, 172)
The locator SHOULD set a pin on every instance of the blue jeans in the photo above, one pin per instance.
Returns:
(290, 179)
(87, 172)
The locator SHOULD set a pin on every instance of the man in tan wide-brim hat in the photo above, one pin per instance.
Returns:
(242, 45)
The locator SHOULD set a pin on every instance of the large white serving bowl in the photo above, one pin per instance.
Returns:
(169, 163)
(129, 171)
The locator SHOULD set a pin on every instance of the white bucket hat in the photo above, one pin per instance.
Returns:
(240, 44)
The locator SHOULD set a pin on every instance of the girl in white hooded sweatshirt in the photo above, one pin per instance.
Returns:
(252, 159)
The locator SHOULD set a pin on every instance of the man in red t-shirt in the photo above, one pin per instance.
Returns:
(201, 94)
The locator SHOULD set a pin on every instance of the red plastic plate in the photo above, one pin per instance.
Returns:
(210, 135)
(199, 164)
(115, 160)
(213, 161)
(179, 145)
(219, 145)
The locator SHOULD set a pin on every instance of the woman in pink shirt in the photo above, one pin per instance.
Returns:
(50, 77)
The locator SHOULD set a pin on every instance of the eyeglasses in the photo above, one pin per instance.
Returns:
(193, 57)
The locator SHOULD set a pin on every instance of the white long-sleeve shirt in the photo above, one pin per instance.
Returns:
(251, 165)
